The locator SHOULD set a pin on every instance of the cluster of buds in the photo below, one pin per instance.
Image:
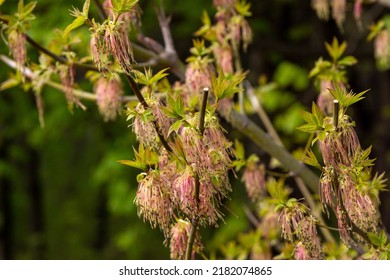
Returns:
(109, 92)
(254, 180)
(111, 38)
(188, 182)
(143, 126)
(232, 23)
(130, 19)
(224, 57)
(345, 177)
(208, 155)
(300, 228)
(198, 73)
(67, 73)
(180, 232)
(325, 98)
(154, 202)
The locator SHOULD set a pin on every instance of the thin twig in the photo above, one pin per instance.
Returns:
(203, 110)
(25, 71)
(165, 30)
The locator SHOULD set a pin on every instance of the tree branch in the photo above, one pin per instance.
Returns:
(246, 126)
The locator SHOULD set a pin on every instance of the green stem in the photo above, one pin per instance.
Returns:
(203, 110)
(336, 109)
(58, 58)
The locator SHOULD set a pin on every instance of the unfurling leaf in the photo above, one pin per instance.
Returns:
(315, 120)
(144, 158)
(224, 86)
(123, 6)
(77, 22)
(277, 191)
(378, 240)
(311, 159)
(86, 8)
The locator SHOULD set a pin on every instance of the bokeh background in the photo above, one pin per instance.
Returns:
(64, 196)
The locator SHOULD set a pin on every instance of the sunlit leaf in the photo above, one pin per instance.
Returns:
(311, 159)
(77, 22)
(86, 8)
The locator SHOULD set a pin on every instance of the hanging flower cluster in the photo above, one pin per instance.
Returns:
(346, 184)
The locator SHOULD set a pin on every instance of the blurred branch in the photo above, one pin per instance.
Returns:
(385, 3)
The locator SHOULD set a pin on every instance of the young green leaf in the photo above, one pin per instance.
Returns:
(276, 190)
(175, 106)
(239, 149)
(27, 10)
(123, 6)
(336, 50)
(378, 240)
(77, 22)
(86, 8)
(348, 61)
(161, 74)
(175, 126)
(375, 29)
(144, 158)
(133, 163)
(315, 120)
(224, 86)
(243, 8)
(345, 98)
(311, 159)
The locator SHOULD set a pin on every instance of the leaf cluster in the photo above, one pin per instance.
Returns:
(334, 69)
(123, 6)
(145, 157)
(226, 85)
(81, 17)
(20, 20)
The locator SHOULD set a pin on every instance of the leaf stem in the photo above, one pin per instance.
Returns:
(203, 110)
(336, 109)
